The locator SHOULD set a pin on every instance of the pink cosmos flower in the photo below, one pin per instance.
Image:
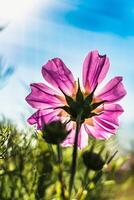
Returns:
(64, 99)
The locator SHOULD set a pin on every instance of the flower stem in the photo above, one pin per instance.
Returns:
(85, 180)
(52, 152)
(74, 155)
(60, 175)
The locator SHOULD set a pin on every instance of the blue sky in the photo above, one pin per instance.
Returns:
(115, 16)
(68, 30)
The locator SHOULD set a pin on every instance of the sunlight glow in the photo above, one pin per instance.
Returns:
(16, 9)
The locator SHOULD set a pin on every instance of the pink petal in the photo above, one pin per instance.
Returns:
(69, 141)
(95, 68)
(43, 116)
(97, 132)
(105, 124)
(42, 97)
(57, 74)
(82, 137)
(111, 114)
(113, 91)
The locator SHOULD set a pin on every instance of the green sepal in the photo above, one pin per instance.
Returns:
(95, 105)
(79, 95)
(89, 98)
(92, 114)
(66, 108)
(69, 99)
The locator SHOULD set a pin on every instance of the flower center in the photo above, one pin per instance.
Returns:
(81, 105)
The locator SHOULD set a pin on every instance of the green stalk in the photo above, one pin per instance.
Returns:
(85, 178)
(74, 155)
(60, 174)
(83, 187)
(52, 152)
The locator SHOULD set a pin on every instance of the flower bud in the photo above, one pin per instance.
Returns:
(55, 132)
(93, 160)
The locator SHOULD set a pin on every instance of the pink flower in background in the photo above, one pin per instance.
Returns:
(64, 99)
